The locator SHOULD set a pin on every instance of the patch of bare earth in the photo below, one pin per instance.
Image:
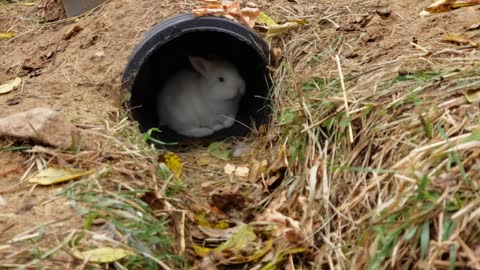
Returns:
(341, 165)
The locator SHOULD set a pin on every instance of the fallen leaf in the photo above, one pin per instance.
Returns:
(266, 20)
(2, 247)
(286, 227)
(457, 39)
(228, 202)
(474, 26)
(447, 5)
(173, 163)
(51, 176)
(7, 35)
(153, 201)
(201, 251)
(228, 9)
(258, 168)
(219, 150)
(250, 15)
(472, 95)
(241, 171)
(222, 225)
(446, 180)
(276, 56)
(29, 4)
(10, 85)
(202, 220)
(237, 171)
(280, 257)
(229, 168)
(218, 233)
(282, 28)
(242, 245)
(103, 254)
(243, 238)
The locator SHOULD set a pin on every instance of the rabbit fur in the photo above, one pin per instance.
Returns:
(202, 99)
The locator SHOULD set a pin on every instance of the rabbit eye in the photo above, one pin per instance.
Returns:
(221, 79)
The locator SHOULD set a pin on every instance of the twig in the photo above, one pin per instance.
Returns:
(342, 82)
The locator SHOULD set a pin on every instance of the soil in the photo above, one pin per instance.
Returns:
(80, 77)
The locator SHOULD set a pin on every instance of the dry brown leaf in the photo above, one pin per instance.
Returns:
(231, 169)
(474, 26)
(227, 202)
(287, 227)
(446, 180)
(276, 56)
(230, 10)
(257, 169)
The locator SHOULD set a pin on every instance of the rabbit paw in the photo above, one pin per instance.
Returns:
(218, 127)
(196, 132)
(228, 122)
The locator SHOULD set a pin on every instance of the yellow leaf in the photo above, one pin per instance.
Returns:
(280, 29)
(10, 85)
(242, 238)
(103, 255)
(261, 252)
(7, 35)
(173, 163)
(28, 4)
(222, 225)
(272, 264)
(201, 251)
(457, 39)
(447, 5)
(202, 220)
(472, 95)
(465, 3)
(266, 20)
(51, 176)
(2, 247)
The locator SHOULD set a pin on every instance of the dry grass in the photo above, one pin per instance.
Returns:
(385, 155)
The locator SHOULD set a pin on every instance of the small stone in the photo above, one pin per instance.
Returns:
(2, 202)
(41, 125)
(99, 54)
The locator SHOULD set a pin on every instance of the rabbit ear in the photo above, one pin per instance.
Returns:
(200, 64)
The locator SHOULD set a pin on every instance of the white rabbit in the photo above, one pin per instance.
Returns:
(197, 102)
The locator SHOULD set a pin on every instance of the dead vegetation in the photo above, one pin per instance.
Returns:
(371, 161)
